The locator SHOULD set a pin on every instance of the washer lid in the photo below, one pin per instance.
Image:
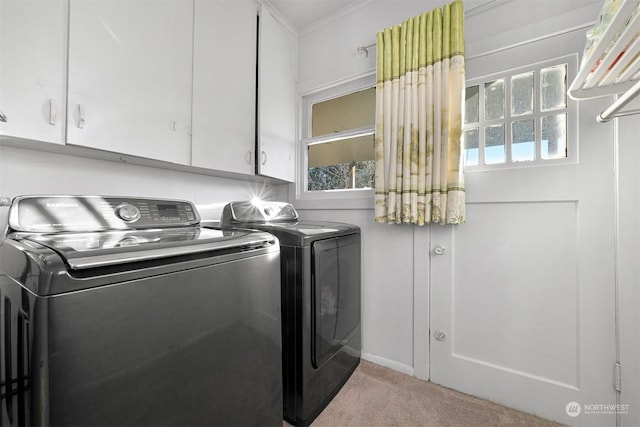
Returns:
(99, 249)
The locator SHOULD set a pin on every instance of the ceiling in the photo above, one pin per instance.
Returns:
(302, 13)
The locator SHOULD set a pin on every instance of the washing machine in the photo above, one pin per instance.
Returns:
(321, 302)
(118, 311)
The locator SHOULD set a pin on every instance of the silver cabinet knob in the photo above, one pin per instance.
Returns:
(439, 250)
(53, 115)
(80, 116)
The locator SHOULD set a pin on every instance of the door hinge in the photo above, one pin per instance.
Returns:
(617, 376)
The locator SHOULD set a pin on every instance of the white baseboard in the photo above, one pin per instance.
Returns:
(396, 366)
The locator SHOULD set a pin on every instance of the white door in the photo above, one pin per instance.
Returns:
(276, 100)
(130, 67)
(32, 69)
(522, 295)
(224, 85)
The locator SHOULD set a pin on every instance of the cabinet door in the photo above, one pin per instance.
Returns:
(32, 69)
(130, 77)
(224, 85)
(277, 100)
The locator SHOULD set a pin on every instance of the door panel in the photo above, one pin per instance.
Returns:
(224, 92)
(276, 100)
(527, 283)
(32, 69)
(130, 67)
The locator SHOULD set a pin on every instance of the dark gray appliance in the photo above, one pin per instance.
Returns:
(125, 312)
(320, 302)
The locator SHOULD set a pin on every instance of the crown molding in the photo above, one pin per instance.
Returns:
(348, 10)
(280, 18)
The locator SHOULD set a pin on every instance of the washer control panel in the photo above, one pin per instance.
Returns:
(95, 213)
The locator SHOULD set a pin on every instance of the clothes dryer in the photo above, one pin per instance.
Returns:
(321, 302)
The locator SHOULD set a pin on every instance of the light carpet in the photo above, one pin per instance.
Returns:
(378, 396)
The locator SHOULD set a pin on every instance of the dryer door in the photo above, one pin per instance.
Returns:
(335, 293)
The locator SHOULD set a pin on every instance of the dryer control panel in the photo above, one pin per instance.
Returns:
(42, 214)
(258, 211)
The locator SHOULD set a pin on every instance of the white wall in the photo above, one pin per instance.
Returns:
(395, 257)
(328, 51)
(26, 171)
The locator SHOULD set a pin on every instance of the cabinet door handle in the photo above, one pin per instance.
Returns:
(3, 118)
(249, 157)
(52, 112)
(80, 116)
(264, 157)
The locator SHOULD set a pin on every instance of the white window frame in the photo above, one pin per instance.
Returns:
(363, 198)
(330, 199)
(571, 110)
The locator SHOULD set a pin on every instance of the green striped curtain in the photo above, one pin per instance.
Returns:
(419, 102)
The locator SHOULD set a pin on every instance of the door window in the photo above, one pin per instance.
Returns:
(520, 117)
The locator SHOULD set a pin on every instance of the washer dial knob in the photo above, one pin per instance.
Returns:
(127, 212)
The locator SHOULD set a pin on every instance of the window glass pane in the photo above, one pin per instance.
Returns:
(342, 176)
(365, 172)
(554, 136)
(494, 100)
(494, 149)
(553, 91)
(331, 177)
(472, 105)
(471, 141)
(341, 164)
(523, 147)
(522, 94)
(352, 111)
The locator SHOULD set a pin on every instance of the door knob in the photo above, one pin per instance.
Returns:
(439, 250)
(440, 335)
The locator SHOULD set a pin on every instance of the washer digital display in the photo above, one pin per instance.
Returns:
(168, 211)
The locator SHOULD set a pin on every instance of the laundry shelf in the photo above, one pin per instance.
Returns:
(613, 65)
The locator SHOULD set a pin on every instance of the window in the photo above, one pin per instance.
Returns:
(341, 150)
(520, 117)
(338, 140)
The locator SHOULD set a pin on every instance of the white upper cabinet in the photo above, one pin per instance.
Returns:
(276, 99)
(130, 77)
(32, 69)
(224, 85)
